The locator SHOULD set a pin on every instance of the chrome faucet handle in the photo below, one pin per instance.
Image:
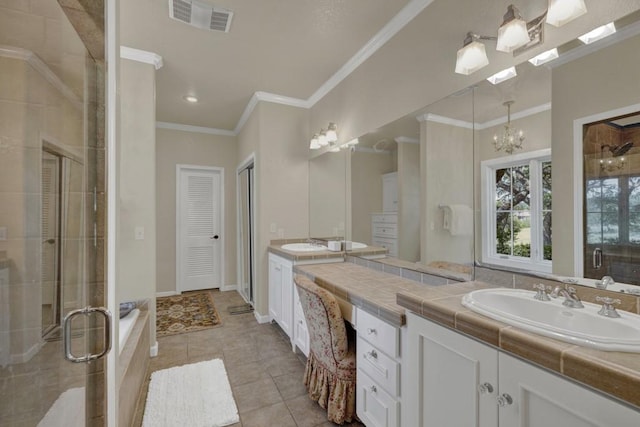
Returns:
(608, 310)
(542, 292)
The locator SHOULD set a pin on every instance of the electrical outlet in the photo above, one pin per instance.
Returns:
(139, 233)
(273, 227)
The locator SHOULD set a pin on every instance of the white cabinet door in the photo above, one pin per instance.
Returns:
(542, 399)
(447, 369)
(286, 319)
(300, 330)
(374, 406)
(390, 192)
(275, 289)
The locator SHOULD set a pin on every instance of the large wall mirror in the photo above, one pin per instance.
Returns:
(542, 203)
(327, 195)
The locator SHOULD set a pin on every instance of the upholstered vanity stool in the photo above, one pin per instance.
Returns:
(330, 374)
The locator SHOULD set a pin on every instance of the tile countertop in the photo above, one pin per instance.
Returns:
(276, 248)
(611, 372)
(388, 296)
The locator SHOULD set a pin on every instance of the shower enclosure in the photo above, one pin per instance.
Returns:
(612, 199)
(52, 213)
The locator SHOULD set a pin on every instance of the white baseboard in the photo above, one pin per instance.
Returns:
(166, 294)
(261, 318)
(227, 288)
(153, 351)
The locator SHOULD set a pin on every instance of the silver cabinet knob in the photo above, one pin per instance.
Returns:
(373, 354)
(373, 389)
(504, 400)
(371, 331)
(485, 388)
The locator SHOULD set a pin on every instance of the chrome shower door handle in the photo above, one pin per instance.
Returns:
(597, 258)
(87, 311)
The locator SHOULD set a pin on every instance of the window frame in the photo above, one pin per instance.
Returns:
(489, 255)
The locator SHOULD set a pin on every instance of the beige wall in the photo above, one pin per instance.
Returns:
(136, 269)
(278, 135)
(367, 169)
(447, 170)
(603, 81)
(327, 195)
(409, 201)
(179, 147)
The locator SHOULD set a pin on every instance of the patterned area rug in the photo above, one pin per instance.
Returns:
(188, 312)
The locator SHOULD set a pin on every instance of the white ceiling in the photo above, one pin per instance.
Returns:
(285, 47)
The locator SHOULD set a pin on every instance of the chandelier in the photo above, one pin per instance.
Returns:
(510, 139)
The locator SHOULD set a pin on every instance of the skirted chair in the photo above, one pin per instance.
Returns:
(330, 374)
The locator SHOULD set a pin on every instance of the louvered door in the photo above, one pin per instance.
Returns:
(199, 229)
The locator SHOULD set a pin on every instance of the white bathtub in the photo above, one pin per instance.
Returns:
(126, 325)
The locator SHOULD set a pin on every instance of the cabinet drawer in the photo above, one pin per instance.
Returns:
(374, 406)
(382, 335)
(388, 243)
(385, 230)
(384, 218)
(380, 367)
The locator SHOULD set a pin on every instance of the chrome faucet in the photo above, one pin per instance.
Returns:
(571, 297)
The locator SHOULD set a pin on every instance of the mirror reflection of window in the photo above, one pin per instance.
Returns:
(517, 214)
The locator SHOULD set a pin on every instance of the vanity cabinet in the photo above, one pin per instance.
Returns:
(300, 330)
(384, 231)
(378, 371)
(459, 381)
(281, 292)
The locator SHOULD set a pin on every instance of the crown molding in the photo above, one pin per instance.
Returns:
(43, 69)
(406, 140)
(519, 115)
(430, 117)
(195, 129)
(397, 23)
(143, 56)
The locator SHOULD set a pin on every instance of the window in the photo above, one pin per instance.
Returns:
(613, 210)
(516, 211)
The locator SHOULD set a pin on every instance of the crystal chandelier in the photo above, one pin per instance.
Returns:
(510, 139)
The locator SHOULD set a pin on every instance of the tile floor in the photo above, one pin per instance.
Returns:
(265, 375)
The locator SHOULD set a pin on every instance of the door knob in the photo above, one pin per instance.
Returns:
(504, 400)
(215, 237)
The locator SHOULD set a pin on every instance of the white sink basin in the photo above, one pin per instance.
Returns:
(357, 245)
(303, 247)
(580, 326)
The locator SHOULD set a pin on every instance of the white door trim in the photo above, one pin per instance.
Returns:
(179, 169)
(251, 159)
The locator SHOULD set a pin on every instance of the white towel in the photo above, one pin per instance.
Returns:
(458, 219)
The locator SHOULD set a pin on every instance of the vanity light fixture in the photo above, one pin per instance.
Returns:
(544, 57)
(612, 164)
(510, 139)
(332, 133)
(502, 76)
(598, 33)
(322, 138)
(513, 32)
(516, 35)
(562, 11)
(472, 56)
(190, 98)
(315, 142)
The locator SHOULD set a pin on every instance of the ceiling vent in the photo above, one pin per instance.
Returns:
(201, 15)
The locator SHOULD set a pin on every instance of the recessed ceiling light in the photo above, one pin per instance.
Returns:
(544, 57)
(503, 75)
(598, 34)
(190, 98)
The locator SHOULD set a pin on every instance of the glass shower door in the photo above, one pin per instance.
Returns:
(51, 218)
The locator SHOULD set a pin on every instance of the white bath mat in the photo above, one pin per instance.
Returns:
(194, 395)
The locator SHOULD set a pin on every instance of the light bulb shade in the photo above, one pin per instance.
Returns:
(332, 133)
(471, 58)
(322, 139)
(503, 75)
(315, 142)
(562, 11)
(544, 57)
(512, 35)
(598, 33)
